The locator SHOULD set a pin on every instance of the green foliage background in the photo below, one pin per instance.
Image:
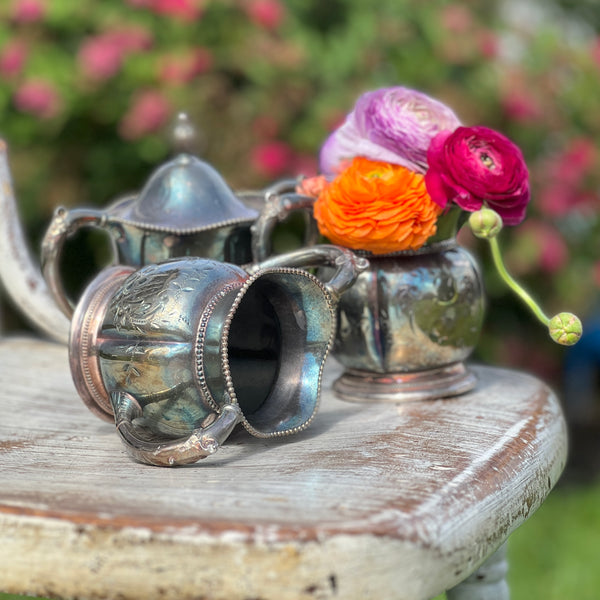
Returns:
(283, 85)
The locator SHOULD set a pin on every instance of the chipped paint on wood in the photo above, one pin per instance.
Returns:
(385, 500)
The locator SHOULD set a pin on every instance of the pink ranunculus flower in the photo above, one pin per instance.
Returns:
(39, 98)
(394, 125)
(475, 167)
(312, 186)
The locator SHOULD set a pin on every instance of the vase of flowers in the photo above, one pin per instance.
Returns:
(399, 177)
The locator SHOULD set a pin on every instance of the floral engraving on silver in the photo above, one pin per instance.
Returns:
(177, 353)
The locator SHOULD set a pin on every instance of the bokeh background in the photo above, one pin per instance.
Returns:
(89, 90)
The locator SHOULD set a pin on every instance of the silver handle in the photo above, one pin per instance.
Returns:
(202, 442)
(64, 224)
(347, 265)
(276, 209)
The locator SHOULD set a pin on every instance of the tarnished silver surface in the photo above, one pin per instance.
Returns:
(185, 209)
(344, 265)
(357, 385)
(407, 324)
(84, 344)
(177, 342)
(411, 312)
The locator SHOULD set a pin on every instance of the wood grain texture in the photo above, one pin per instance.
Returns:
(372, 501)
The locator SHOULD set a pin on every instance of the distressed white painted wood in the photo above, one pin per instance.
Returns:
(371, 502)
(20, 272)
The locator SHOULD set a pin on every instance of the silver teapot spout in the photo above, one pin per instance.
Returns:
(20, 273)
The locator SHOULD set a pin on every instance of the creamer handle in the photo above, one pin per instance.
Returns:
(276, 209)
(202, 442)
(346, 263)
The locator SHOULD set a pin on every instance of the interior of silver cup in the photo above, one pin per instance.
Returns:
(277, 342)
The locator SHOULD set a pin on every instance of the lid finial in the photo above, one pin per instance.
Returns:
(184, 135)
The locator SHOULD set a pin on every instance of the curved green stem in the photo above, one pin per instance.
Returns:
(499, 263)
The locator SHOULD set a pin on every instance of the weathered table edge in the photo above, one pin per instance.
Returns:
(39, 549)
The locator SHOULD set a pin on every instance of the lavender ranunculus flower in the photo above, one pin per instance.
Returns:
(393, 125)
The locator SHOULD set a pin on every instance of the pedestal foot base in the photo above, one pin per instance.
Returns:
(364, 386)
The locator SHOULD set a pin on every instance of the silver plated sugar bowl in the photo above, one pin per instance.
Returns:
(185, 209)
(177, 353)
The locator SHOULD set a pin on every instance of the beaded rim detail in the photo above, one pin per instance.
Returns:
(225, 338)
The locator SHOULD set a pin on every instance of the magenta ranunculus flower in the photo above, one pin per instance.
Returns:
(477, 166)
(394, 125)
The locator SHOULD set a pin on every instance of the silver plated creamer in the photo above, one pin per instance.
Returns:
(408, 324)
(181, 351)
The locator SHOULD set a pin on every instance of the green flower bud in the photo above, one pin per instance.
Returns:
(485, 223)
(565, 328)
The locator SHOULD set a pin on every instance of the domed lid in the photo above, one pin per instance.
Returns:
(184, 195)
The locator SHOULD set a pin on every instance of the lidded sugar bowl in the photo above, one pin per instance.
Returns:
(185, 209)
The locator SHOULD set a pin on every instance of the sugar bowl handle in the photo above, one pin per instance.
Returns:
(202, 442)
(64, 224)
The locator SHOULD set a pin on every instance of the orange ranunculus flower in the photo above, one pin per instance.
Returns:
(378, 207)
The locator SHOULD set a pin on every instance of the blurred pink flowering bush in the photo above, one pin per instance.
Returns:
(88, 89)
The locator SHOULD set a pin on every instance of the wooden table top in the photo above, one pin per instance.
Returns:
(372, 501)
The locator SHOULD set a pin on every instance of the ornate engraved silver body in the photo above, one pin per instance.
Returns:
(408, 324)
(179, 352)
